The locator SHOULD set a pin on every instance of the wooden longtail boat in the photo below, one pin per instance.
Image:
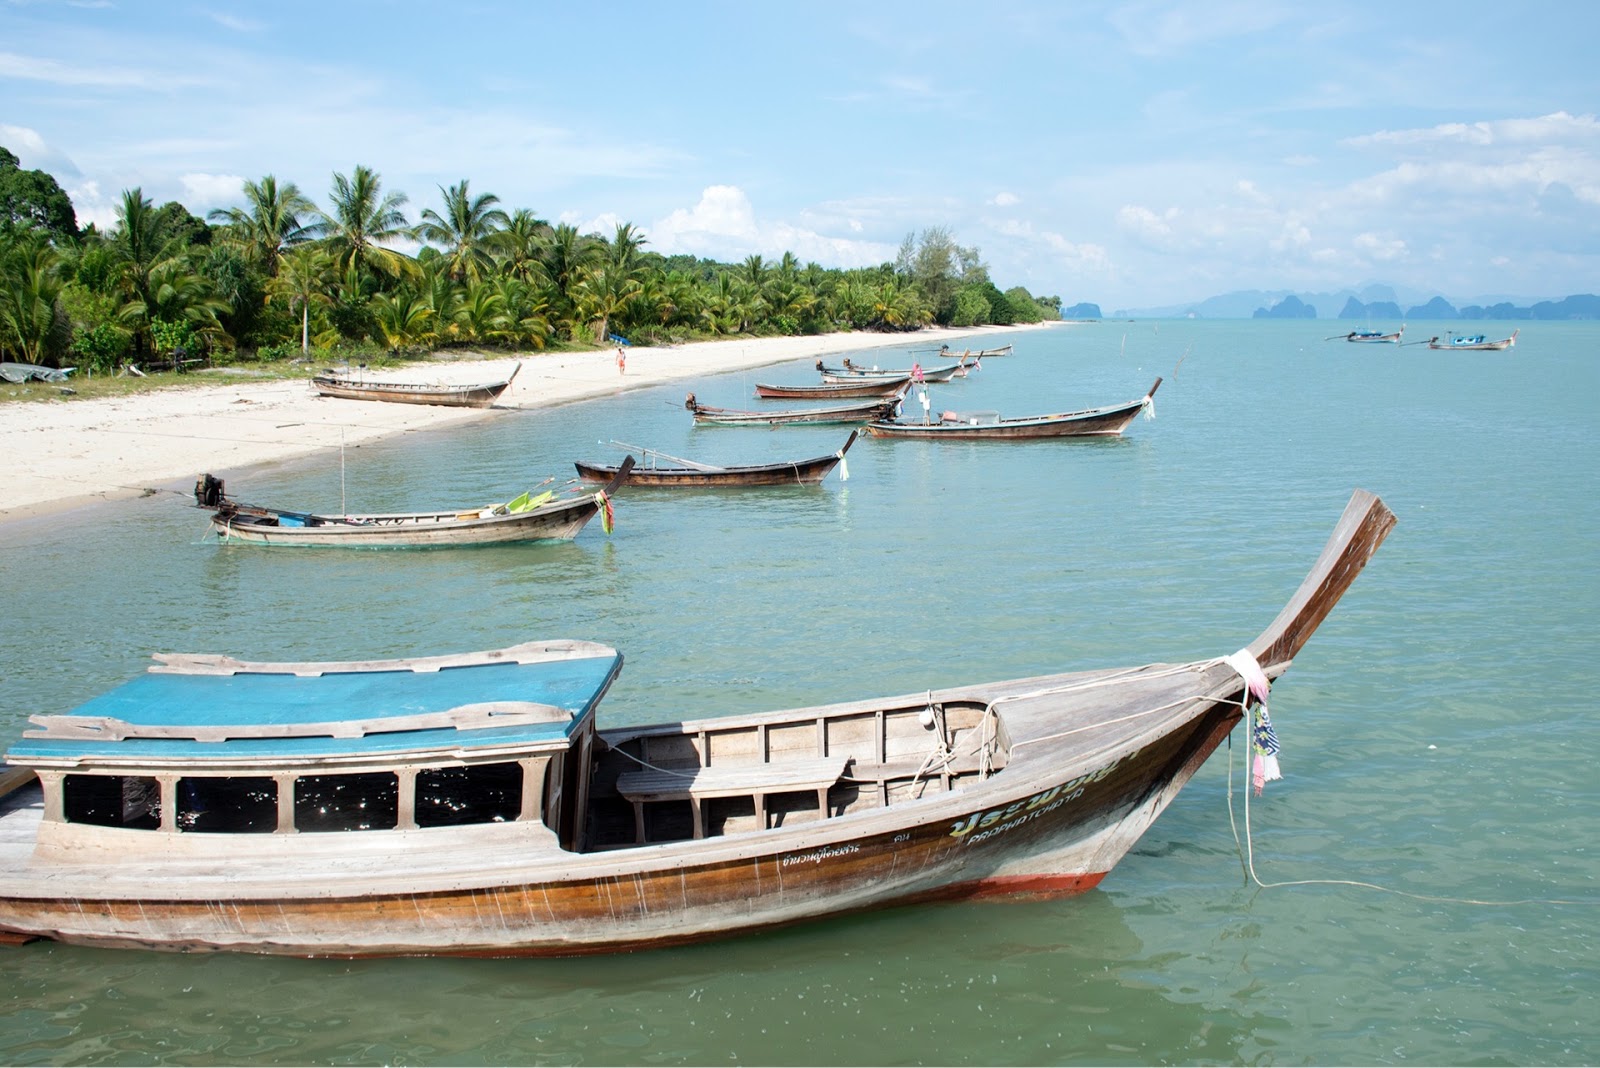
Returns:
(851, 373)
(468, 805)
(855, 387)
(981, 354)
(880, 408)
(1370, 337)
(1473, 342)
(950, 426)
(681, 473)
(545, 517)
(479, 395)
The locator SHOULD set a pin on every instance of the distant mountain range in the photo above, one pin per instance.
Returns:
(1376, 303)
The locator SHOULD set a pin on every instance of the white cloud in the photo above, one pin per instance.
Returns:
(1156, 28)
(1006, 200)
(202, 192)
(723, 225)
(54, 72)
(1558, 127)
(1147, 226)
(234, 22)
(36, 154)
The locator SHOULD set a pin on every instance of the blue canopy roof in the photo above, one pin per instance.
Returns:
(262, 700)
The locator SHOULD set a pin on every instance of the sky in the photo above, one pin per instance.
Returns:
(1131, 154)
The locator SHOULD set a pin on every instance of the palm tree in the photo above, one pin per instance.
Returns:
(305, 279)
(363, 219)
(526, 315)
(481, 314)
(564, 257)
(519, 241)
(140, 245)
(601, 294)
(403, 317)
(274, 220)
(465, 231)
(183, 296)
(30, 285)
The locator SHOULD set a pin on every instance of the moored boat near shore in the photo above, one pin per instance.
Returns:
(357, 387)
(529, 517)
(955, 426)
(1472, 342)
(849, 372)
(879, 408)
(856, 387)
(688, 474)
(469, 804)
(980, 354)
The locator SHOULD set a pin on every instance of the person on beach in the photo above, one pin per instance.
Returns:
(622, 362)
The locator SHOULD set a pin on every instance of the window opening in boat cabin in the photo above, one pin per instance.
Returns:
(131, 801)
(474, 793)
(364, 801)
(243, 804)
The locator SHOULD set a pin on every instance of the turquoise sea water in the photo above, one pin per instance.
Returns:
(1439, 732)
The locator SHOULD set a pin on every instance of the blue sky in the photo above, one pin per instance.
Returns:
(1132, 154)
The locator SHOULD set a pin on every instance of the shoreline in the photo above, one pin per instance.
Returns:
(67, 455)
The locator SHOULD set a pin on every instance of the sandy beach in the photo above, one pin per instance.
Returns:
(73, 453)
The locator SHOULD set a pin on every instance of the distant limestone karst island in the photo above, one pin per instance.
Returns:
(1580, 306)
(1371, 303)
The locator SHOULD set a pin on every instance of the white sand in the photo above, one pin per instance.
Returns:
(68, 453)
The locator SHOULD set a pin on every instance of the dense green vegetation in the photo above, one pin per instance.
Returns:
(279, 276)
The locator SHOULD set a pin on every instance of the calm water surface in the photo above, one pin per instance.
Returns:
(1439, 732)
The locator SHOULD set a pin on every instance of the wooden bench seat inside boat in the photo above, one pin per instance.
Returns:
(734, 780)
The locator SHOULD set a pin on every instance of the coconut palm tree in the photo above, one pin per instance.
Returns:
(306, 277)
(466, 230)
(363, 220)
(601, 294)
(518, 243)
(274, 219)
(403, 317)
(527, 319)
(564, 258)
(182, 295)
(30, 285)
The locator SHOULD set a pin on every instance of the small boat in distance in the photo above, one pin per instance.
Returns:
(966, 426)
(359, 387)
(1370, 336)
(542, 517)
(879, 408)
(1472, 342)
(687, 474)
(856, 387)
(469, 804)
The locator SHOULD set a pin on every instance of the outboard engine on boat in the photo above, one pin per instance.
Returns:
(208, 491)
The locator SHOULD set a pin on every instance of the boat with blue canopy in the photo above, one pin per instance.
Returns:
(468, 804)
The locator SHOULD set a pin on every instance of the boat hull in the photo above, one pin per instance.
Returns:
(478, 395)
(1474, 346)
(414, 530)
(1032, 836)
(845, 413)
(1093, 422)
(800, 472)
(557, 521)
(853, 387)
